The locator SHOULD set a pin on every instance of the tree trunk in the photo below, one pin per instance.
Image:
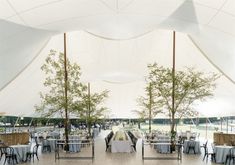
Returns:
(172, 123)
(150, 126)
(150, 107)
(138, 124)
(173, 132)
(89, 128)
(89, 111)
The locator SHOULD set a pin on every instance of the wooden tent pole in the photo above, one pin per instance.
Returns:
(66, 95)
(227, 124)
(172, 114)
(221, 124)
(16, 123)
(173, 86)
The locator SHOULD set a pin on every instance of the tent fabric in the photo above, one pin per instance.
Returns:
(118, 66)
(113, 41)
(19, 46)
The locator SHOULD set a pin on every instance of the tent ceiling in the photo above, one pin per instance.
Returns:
(125, 17)
(27, 26)
(119, 66)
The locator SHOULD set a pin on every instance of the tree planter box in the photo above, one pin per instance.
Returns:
(224, 138)
(15, 138)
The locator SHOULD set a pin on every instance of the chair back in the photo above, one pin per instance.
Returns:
(45, 142)
(134, 140)
(106, 141)
(198, 136)
(232, 152)
(36, 140)
(192, 143)
(181, 140)
(109, 136)
(209, 150)
(131, 134)
(213, 147)
(3, 150)
(192, 138)
(35, 148)
(205, 144)
(9, 151)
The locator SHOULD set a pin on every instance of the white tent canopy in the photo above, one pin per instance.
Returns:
(113, 41)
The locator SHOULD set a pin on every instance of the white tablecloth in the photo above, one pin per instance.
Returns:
(121, 145)
(74, 147)
(20, 151)
(163, 138)
(162, 144)
(73, 143)
(163, 147)
(221, 153)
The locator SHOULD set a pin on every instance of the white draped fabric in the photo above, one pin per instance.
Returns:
(20, 151)
(113, 41)
(121, 146)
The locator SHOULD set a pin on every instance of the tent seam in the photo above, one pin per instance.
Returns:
(44, 45)
(210, 61)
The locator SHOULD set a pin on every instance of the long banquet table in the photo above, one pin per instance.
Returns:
(121, 142)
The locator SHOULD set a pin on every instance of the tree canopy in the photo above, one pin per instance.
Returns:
(53, 99)
(191, 86)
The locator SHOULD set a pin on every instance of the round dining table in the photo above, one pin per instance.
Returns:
(50, 142)
(194, 143)
(20, 150)
(221, 151)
